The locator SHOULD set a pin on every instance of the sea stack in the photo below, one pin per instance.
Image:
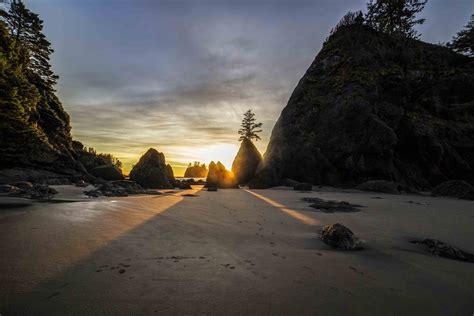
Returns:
(152, 172)
(376, 107)
(246, 162)
(196, 171)
(219, 177)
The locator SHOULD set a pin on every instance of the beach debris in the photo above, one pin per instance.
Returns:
(328, 206)
(303, 187)
(212, 189)
(442, 249)
(340, 237)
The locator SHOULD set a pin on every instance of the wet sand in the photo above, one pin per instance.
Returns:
(232, 252)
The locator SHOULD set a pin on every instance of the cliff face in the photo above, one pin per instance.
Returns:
(34, 128)
(375, 107)
(246, 162)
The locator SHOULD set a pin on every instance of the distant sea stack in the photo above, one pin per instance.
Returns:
(219, 177)
(372, 106)
(152, 172)
(196, 171)
(246, 162)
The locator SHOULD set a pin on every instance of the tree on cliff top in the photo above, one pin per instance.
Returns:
(395, 17)
(250, 129)
(27, 29)
(463, 42)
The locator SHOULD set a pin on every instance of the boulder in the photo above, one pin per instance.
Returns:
(107, 172)
(374, 106)
(131, 187)
(36, 192)
(6, 188)
(23, 185)
(340, 237)
(184, 186)
(289, 182)
(303, 187)
(246, 162)
(152, 172)
(219, 177)
(455, 188)
(381, 186)
(328, 206)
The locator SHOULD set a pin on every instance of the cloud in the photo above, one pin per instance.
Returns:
(179, 75)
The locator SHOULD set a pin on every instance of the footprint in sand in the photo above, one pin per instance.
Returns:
(355, 270)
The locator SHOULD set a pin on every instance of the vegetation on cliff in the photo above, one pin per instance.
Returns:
(376, 106)
(248, 157)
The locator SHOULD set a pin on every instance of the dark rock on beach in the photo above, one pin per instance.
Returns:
(303, 187)
(455, 188)
(152, 172)
(442, 249)
(373, 106)
(108, 172)
(328, 206)
(340, 237)
(381, 186)
(33, 191)
(219, 177)
(246, 162)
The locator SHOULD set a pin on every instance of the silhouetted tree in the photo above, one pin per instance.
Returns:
(249, 129)
(395, 17)
(463, 42)
(27, 29)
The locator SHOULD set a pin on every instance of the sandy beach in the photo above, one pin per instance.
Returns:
(233, 251)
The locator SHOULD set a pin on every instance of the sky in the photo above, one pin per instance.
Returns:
(178, 75)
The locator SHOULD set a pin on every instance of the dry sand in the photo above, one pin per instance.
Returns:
(232, 252)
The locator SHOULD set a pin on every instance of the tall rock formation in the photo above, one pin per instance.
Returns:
(219, 177)
(152, 172)
(372, 106)
(34, 128)
(246, 162)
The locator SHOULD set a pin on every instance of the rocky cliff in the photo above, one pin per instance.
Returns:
(372, 106)
(246, 162)
(34, 128)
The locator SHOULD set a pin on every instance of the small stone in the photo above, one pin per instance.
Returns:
(340, 237)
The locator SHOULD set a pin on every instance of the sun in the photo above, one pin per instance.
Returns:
(225, 153)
